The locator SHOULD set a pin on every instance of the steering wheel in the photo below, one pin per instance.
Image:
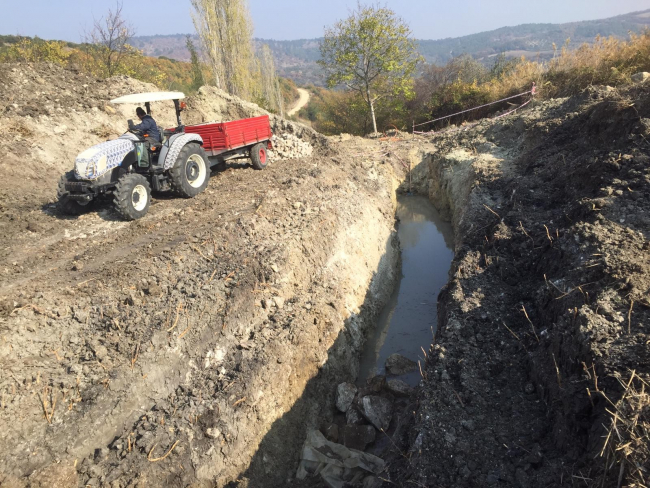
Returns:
(137, 132)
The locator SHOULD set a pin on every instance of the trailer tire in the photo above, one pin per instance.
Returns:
(190, 174)
(259, 156)
(132, 196)
(64, 203)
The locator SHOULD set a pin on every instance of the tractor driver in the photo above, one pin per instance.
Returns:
(147, 125)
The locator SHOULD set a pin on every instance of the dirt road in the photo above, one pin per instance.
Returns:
(302, 101)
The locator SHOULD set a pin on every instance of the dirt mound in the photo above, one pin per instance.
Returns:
(546, 314)
(141, 352)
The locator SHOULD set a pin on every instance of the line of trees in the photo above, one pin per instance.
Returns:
(225, 31)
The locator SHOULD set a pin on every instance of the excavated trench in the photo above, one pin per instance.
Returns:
(399, 316)
(408, 322)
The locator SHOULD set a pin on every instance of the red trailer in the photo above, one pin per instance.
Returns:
(223, 141)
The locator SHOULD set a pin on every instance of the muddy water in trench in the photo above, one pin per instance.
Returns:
(410, 317)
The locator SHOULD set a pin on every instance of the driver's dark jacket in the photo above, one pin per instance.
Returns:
(148, 126)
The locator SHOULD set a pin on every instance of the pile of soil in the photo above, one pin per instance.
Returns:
(541, 354)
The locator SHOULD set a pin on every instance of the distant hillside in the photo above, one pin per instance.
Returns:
(297, 59)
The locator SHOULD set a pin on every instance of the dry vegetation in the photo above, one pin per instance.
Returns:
(465, 83)
(625, 450)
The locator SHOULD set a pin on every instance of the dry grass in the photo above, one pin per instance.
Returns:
(608, 61)
(626, 450)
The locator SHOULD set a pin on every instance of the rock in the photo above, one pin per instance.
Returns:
(331, 432)
(357, 436)
(345, 393)
(77, 266)
(213, 433)
(34, 227)
(101, 353)
(377, 410)
(397, 364)
(399, 388)
(279, 302)
(372, 482)
(109, 110)
(641, 77)
(376, 383)
(154, 290)
(353, 417)
(319, 456)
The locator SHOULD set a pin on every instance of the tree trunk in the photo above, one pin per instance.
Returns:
(372, 111)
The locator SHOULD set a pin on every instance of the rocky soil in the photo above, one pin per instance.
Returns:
(200, 343)
(540, 363)
(208, 343)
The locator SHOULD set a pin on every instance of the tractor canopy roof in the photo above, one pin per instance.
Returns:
(149, 97)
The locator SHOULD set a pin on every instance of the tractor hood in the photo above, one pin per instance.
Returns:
(103, 157)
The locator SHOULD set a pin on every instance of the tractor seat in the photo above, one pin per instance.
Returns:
(163, 134)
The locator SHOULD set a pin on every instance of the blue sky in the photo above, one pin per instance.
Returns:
(297, 19)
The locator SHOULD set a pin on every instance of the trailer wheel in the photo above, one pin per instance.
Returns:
(65, 204)
(132, 196)
(259, 157)
(190, 174)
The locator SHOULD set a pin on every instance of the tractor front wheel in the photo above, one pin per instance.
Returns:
(65, 204)
(132, 196)
(259, 157)
(190, 174)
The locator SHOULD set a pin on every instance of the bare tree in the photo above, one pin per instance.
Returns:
(111, 35)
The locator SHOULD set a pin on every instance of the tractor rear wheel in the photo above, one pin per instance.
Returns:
(132, 196)
(190, 174)
(259, 157)
(65, 204)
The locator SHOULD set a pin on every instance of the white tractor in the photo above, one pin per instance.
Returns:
(129, 167)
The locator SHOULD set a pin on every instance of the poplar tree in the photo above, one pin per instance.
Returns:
(197, 71)
(226, 33)
(270, 84)
(371, 52)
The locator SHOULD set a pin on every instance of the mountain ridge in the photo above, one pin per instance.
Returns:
(296, 59)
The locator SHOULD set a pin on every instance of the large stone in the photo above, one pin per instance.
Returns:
(345, 393)
(353, 417)
(357, 436)
(397, 364)
(641, 77)
(331, 432)
(377, 410)
(399, 388)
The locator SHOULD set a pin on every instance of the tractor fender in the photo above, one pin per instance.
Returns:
(172, 148)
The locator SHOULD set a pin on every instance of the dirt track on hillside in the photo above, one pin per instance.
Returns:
(302, 101)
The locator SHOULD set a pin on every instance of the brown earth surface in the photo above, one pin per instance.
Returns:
(537, 373)
(199, 345)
